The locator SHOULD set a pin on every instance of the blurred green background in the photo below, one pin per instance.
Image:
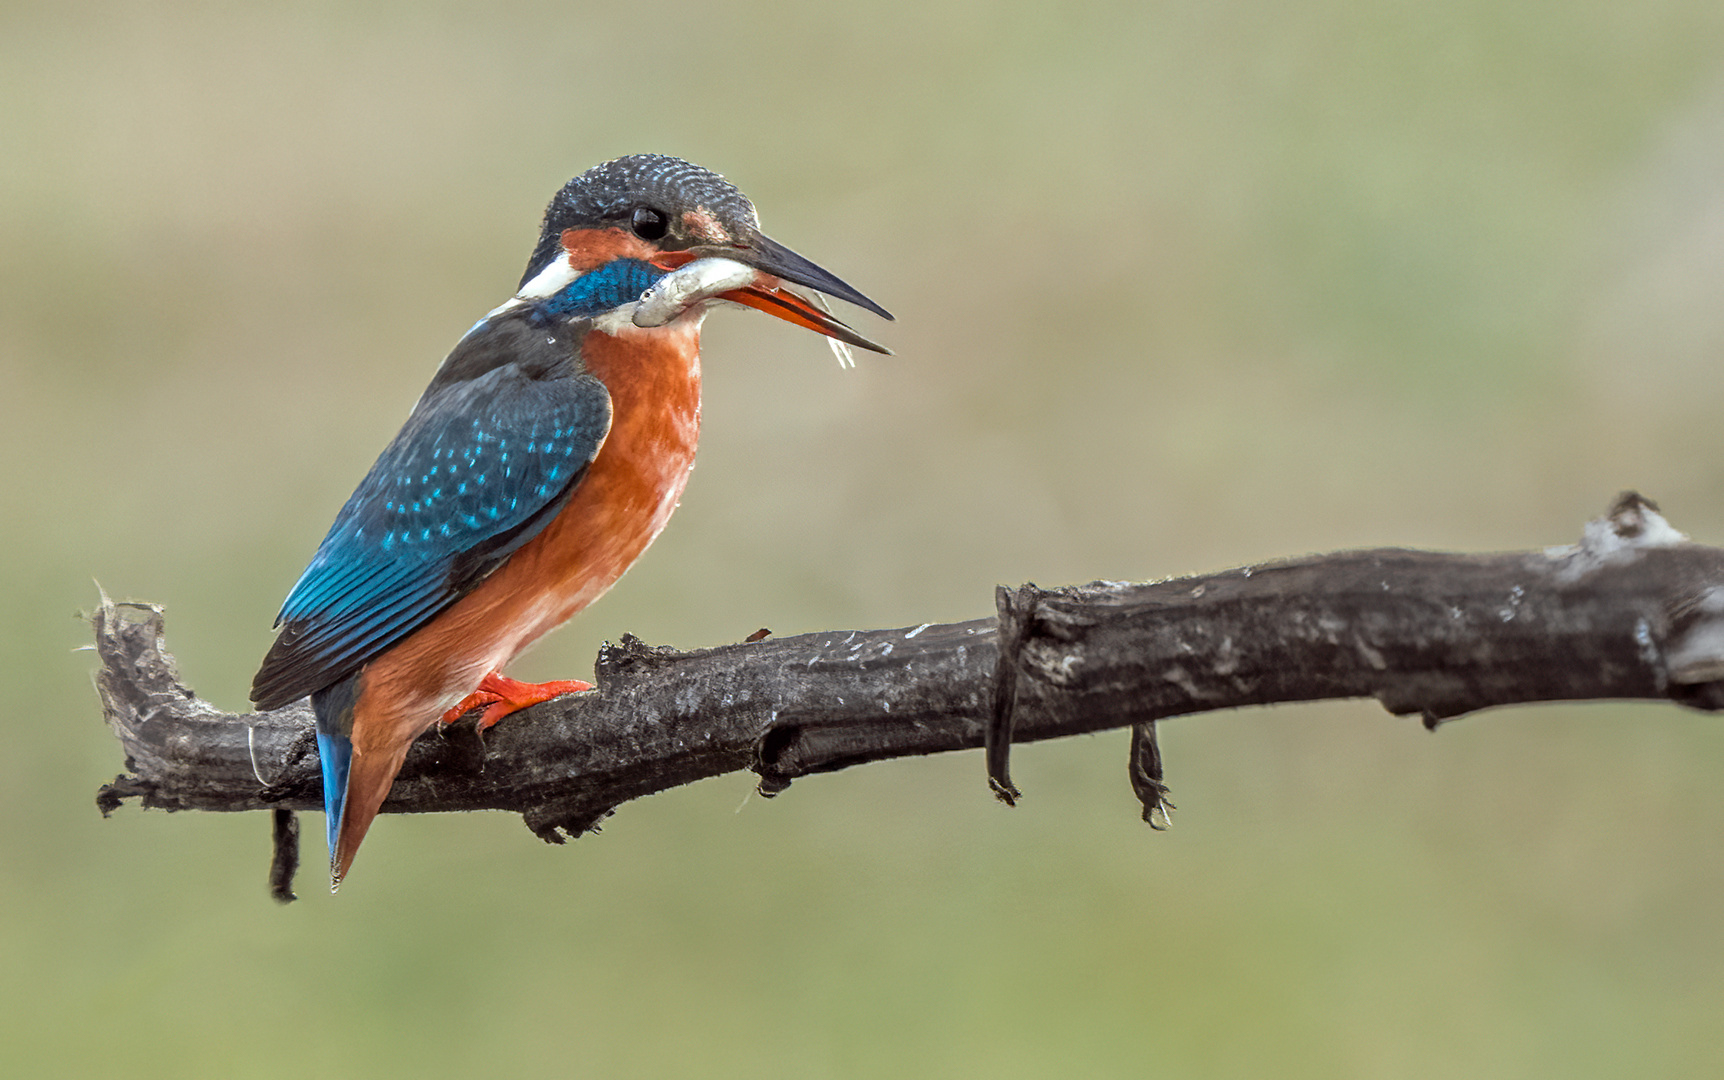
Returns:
(1179, 286)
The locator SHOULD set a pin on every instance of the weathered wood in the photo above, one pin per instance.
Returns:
(1634, 611)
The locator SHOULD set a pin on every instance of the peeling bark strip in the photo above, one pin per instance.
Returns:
(1144, 768)
(284, 839)
(1633, 611)
(1016, 609)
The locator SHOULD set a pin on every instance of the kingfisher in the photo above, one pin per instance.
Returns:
(549, 450)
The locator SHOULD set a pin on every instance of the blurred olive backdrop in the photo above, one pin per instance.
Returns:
(1179, 286)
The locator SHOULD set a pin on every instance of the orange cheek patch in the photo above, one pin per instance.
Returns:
(589, 249)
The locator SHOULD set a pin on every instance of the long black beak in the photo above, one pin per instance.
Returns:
(776, 264)
(765, 253)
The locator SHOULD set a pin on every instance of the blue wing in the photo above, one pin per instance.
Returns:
(491, 453)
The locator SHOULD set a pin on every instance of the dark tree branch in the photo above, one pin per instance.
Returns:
(1634, 611)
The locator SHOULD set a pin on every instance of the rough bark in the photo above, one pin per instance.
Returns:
(1633, 611)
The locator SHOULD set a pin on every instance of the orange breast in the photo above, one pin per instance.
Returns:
(621, 504)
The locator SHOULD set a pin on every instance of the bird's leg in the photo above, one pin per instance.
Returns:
(501, 695)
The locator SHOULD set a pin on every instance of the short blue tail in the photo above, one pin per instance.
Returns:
(334, 708)
(335, 754)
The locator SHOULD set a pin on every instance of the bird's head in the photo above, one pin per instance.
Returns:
(669, 237)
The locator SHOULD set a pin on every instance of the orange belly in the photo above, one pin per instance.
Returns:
(622, 503)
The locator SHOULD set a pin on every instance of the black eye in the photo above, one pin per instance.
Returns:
(648, 223)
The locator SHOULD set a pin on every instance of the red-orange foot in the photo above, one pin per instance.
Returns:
(502, 695)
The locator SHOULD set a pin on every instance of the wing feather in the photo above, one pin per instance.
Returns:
(481, 466)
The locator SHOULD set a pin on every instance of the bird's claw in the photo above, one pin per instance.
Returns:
(500, 695)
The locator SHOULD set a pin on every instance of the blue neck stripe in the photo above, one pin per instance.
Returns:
(612, 285)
